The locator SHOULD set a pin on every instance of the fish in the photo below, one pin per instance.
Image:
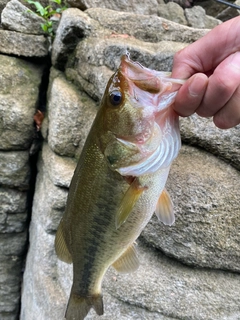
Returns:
(119, 181)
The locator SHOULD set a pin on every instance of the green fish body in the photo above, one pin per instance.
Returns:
(119, 181)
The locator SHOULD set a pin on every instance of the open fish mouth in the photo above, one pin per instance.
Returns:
(160, 144)
(146, 79)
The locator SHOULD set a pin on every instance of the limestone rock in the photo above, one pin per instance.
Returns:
(70, 115)
(17, 17)
(87, 50)
(176, 291)
(61, 169)
(19, 78)
(227, 14)
(19, 90)
(74, 25)
(206, 233)
(183, 3)
(13, 213)
(2, 5)
(12, 250)
(51, 198)
(212, 7)
(117, 26)
(160, 289)
(101, 57)
(172, 11)
(144, 27)
(20, 44)
(136, 6)
(197, 18)
(202, 132)
(14, 169)
(13, 238)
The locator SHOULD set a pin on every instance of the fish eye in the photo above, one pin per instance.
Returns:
(115, 97)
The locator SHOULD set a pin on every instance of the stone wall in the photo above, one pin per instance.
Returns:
(19, 84)
(189, 270)
(22, 65)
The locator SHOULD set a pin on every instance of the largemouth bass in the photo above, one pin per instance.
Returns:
(119, 181)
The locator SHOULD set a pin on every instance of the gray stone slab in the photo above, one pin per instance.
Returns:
(20, 44)
(70, 116)
(14, 169)
(17, 17)
(19, 90)
(205, 191)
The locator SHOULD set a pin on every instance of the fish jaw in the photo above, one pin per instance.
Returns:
(153, 140)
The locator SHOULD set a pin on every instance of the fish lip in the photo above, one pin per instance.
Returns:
(150, 80)
(140, 76)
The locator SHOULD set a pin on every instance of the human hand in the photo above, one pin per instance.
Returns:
(212, 66)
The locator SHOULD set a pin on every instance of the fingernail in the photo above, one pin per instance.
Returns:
(198, 85)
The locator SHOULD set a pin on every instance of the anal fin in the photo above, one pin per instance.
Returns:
(61, 246)
(164, 209)
(128, 262)
(128, 202)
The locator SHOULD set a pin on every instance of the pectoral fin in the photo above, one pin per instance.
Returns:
(128, 202)
(164, 209)
(128, 262)
(61, 246)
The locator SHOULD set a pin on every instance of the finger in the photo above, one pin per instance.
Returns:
(222, 85)
(206, 53)
(190, 95)
(186, 62)
(229, 115)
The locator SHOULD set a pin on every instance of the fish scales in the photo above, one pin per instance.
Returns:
(119, 181)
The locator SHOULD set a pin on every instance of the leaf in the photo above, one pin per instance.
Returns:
(56, 1)
(44, 27)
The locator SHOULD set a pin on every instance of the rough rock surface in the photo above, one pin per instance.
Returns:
(151, 32)
(197, 18)
(204, 180)
(162, 288)
(172, 11)
(136, 6)
(19, 90)
(17, 17)
(19, 78)
(20, 44)
(206, 233)
(143, 27)
(75, 113)
(203, 133)
(3, 4)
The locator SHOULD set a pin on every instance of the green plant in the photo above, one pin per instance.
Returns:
(47, 12)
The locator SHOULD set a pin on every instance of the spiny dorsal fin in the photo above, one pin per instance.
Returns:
(128, 202)
(128, 262)
(60, 245)
(164, 209)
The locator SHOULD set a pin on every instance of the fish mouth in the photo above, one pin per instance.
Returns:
(158, 141)
(146, 79)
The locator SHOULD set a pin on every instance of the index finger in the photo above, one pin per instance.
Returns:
(206, 53)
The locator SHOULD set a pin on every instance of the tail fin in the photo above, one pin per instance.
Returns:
(78, 307)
